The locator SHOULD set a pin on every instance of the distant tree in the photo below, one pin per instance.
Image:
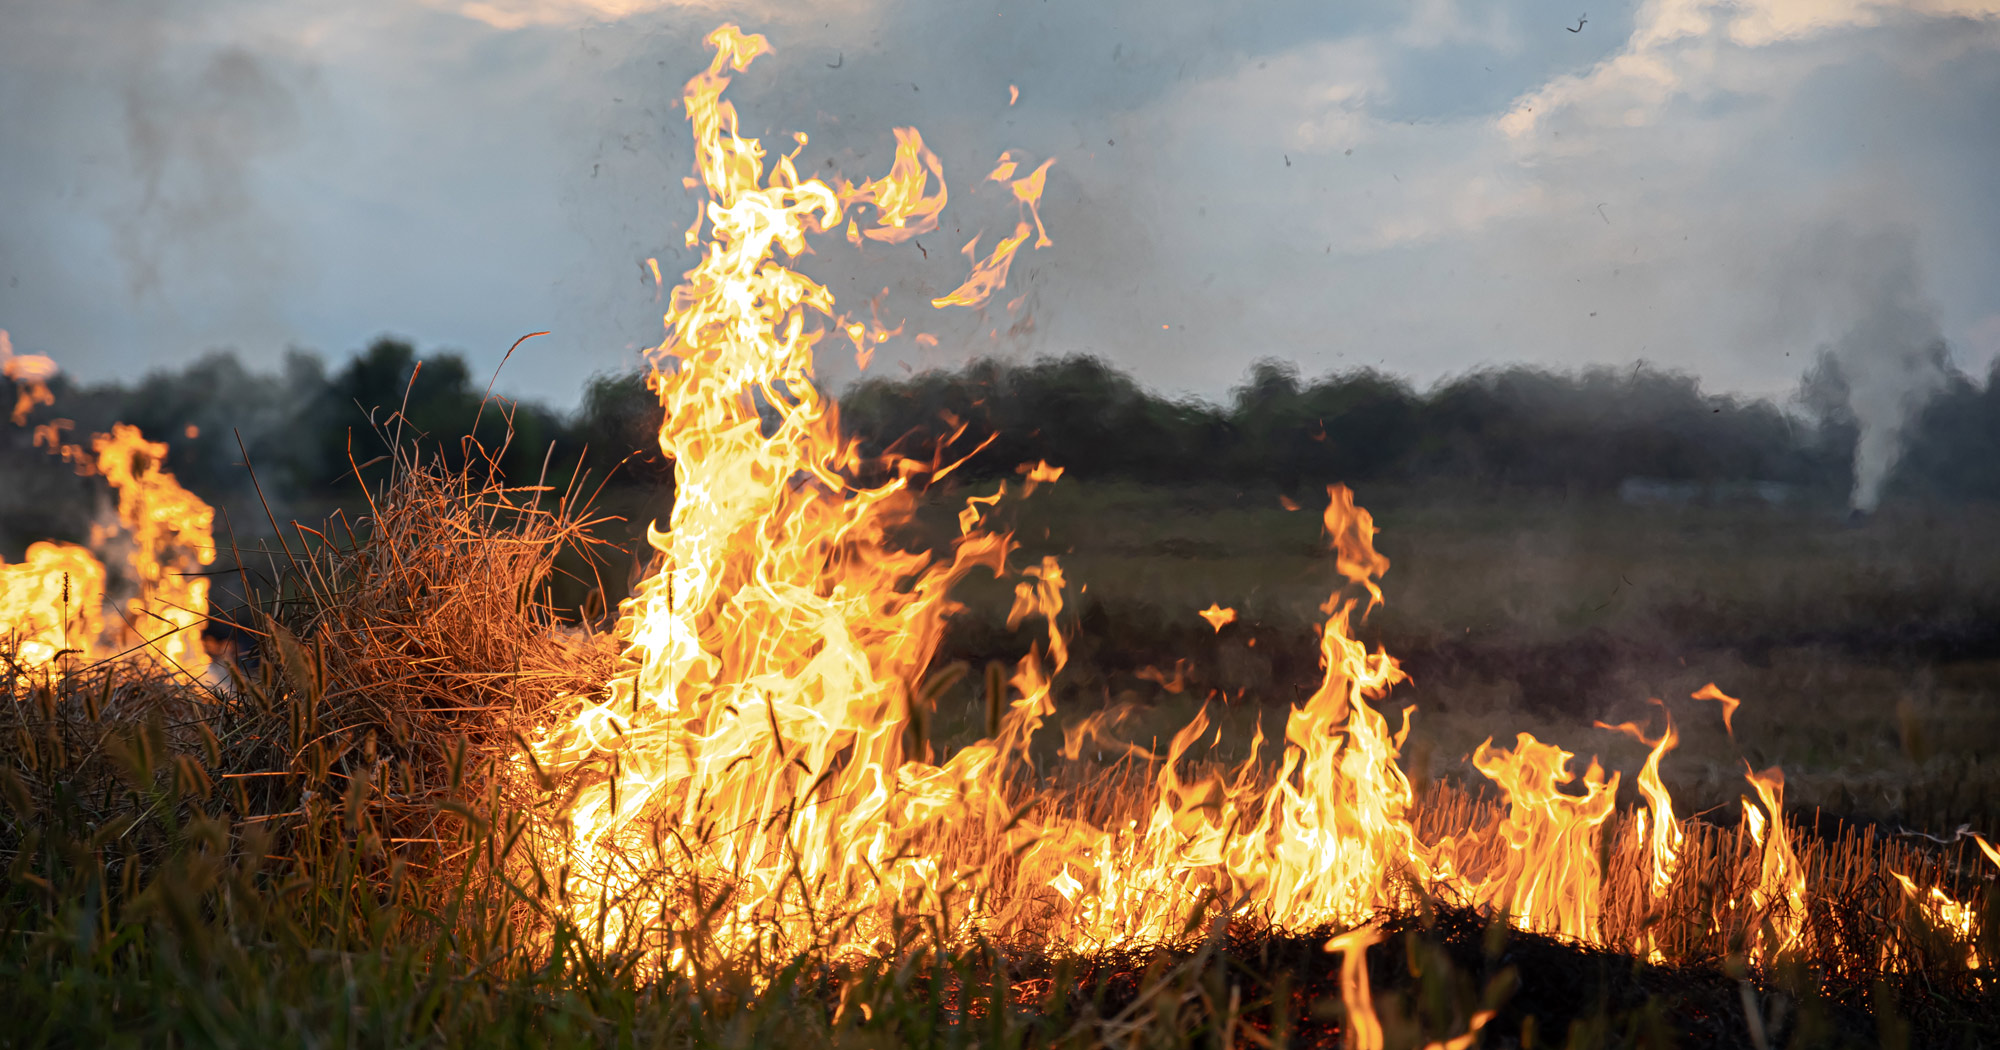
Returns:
(385, 394)
(618, 425)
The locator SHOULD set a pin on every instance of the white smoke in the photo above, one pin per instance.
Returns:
(1885, 367)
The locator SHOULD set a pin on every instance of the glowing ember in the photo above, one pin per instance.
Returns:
(1218, 616)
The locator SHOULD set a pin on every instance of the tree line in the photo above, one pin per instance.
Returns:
(309, 430)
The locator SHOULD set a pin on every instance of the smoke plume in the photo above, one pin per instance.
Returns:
(1889, 363)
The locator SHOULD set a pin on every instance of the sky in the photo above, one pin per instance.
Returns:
(1420, 186)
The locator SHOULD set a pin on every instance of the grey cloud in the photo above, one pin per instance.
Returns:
(463, 184)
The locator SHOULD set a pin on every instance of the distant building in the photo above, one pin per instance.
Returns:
(1667, 492)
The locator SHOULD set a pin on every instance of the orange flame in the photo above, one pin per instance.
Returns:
(1665, 845)
(31, 374)
(1549, 878)
(1028, 191)
(51, 603)
(1779, 898)
(1729, 704)
(1364, 1029)
(55, 601)
(989, 275)
(1218, 616)
(1954, 917)
(904, 210)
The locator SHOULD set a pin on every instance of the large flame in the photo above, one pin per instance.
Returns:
(759, 775)
(760, 763)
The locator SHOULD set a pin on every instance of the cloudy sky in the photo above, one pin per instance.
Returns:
(1424, 186)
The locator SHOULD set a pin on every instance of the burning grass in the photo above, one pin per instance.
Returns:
(430, 804)
(324, 848)
(337, 840)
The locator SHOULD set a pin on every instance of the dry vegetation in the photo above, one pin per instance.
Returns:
(329, 848)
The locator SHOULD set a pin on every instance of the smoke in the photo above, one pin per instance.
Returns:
(1881, 372)
(141, 164)
(193, 138)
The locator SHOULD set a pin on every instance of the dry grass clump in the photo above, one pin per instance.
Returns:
(436, 627)
(415, 656)
(364, 737)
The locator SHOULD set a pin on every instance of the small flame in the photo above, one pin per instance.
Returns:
(989, 275)
(1779, 898)
(1665, 845)
(1028, 191)
(1729, 704)
(1218, 616)
(1364, 1028)
(31, 374)
(904, 209)
(1172, 685)
(1954, 917)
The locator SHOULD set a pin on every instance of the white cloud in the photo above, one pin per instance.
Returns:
(1676, 47)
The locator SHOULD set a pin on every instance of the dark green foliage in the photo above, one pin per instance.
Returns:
(1513, 427)
(1954, 451)
(1501, 428)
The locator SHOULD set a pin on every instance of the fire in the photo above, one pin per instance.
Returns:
(1549, 878)
(757, 735)
(1218, 616)
(759, 777)
(51, 603)
(1779, 899)
(760, 760)
(1665, 843)
(1364, 1028)
(57, 601)
(1952, 916)
(31, 374)
(1729, 704)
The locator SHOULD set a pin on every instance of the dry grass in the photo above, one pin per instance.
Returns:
(329, 847)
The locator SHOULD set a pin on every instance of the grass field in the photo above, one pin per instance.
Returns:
(151, 900)
(1867, 653)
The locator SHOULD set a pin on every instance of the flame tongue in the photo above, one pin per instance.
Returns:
(759, 728)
